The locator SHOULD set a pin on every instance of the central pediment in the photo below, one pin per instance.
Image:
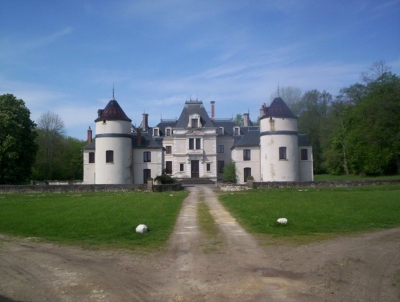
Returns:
(195, 132)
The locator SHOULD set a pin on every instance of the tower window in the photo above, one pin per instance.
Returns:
(168, 149)
(282, 153)
(110, 156)
(220, 148)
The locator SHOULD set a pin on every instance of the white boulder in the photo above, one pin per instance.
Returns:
(141, 228)
(282, 220)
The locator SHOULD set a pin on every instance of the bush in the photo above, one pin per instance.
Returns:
(229, 174)
(165, 179)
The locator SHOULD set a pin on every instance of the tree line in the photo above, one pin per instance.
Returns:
(39, 151)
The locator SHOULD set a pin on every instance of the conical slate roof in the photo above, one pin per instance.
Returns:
(112, 112)
(279, 108)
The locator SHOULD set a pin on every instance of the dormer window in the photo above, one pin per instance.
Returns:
(168, 132)
(236, 131)
(220, 130)
(194, 121)
(156, 132)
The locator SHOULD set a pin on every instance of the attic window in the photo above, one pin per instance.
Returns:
(156, 132)
(168, 132)
(236, 130)
(195, 123)
(220, 130)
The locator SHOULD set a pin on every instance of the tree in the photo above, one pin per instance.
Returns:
(238, 119)
(377, 69)
(313, 109)
(50, 130)
(17, 140)
(229, 173)
(291, 95)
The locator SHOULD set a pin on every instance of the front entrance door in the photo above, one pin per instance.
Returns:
(195, 168)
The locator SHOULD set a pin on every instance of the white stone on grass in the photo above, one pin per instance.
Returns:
(141, 228)
(282, 220)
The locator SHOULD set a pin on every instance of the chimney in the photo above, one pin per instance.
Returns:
(139, 137)
(246, 120)
(212, 110)
(262, 110)
(89, 135)
(145, 121)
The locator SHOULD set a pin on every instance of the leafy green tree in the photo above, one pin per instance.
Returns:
(374, 139)
(229, 173)
(238, 119)
(17, 140)
(313, 110)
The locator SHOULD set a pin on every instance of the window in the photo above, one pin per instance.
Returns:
(147, 156)
(282, 152)
(304, 154)
(168, 167)
(236, 129)
(208, 167)
(91, 157)
(181, 167)
(246, 173)
(146, 175)
(220, 148)
(221, 165)
(109, 156)
(195, 123)
(246, 154)
(168, 132)
(220, 130)
(168, 149)
(192, 142)
(155, 132)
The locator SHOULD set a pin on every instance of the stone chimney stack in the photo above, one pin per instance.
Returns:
(246, 120)
(212, 110)
(139, 137)
(145, 121)
(89, 135)
(263, 109)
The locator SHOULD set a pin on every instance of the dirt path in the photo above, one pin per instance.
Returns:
(194, 268)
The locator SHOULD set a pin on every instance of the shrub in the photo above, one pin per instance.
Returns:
(165, 179)
(229, 174)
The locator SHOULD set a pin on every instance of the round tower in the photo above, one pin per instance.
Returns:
(279, 143)
(113, 160)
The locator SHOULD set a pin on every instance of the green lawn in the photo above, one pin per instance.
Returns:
(315, 213)
(92, 219)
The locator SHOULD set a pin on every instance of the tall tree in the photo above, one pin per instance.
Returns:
(377, 69)
(17, 140)
(312, 121)
(51, 130)
(238, 119)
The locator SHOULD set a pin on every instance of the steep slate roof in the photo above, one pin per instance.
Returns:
(194, 107)
(147, 141)
(249, 139)
(278, 108)
(113, 112)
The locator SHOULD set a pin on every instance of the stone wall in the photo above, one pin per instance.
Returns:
(306, 184)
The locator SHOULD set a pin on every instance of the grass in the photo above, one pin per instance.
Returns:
(92, 219)
(328, 177)
(315, 214)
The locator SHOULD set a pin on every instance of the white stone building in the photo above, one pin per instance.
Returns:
(197, 145)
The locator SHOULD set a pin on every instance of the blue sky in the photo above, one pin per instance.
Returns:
(65, 56)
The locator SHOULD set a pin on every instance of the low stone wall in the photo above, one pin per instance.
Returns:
(70, 188)
(63, 188)
(306, 184)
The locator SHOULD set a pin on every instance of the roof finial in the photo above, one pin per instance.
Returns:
(113, 93)
(278, 89)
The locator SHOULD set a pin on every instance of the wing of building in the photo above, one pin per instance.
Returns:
(197, 145)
